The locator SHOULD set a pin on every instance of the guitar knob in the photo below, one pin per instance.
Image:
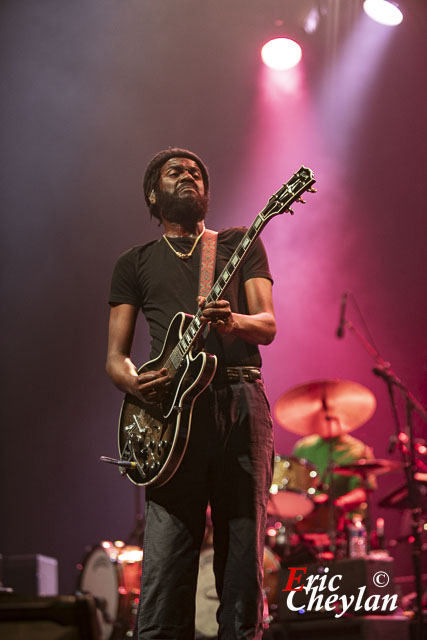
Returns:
(161, 446)
(302, 201)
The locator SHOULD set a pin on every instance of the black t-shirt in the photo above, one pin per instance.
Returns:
(152, 278)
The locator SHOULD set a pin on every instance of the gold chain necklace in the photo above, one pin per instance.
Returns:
(184, 256)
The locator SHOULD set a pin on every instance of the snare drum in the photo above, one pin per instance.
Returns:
(111, 572)
(294, 482)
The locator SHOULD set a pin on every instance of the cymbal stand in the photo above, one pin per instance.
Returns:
(367, 517)
(136, 536)
(383, 370)
(330, 471)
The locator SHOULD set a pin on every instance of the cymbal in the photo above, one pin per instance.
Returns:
(399, 498)
(327, 408)
(365, 467)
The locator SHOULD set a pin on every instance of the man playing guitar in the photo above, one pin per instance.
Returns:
(228, 459)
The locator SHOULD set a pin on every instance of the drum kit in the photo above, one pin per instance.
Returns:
(304, 522)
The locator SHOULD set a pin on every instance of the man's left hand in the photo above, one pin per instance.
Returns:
(218, 314)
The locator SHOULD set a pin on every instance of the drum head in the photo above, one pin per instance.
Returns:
(206, 597)
(290, 504)
(99, 578)
(207, 601)
(270, 581)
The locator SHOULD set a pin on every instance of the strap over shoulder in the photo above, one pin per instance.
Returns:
(207, 261)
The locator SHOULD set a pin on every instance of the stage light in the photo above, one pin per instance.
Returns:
(312, 20)
(281, 54)
(383, 11)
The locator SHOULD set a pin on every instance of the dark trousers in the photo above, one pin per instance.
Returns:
(228, 463)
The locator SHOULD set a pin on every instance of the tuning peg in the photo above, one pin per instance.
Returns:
(311, 190)
(302, 201)
(289, 210)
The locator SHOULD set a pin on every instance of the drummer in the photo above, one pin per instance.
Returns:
(347, 491)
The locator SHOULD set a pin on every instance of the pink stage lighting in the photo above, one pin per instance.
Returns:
(383, 12)
(281, 54)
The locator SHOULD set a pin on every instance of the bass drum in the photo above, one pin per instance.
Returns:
(320, 520)
(207, 601)
(111, 573)
(270, 581)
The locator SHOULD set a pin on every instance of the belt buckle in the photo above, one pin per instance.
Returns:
(254, 374)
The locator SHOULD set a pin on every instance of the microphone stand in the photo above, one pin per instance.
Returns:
(383, 370)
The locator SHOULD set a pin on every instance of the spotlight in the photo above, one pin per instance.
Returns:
(281, 54)
(312, 20)
(383, 11)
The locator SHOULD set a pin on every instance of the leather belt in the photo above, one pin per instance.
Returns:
(225, 375)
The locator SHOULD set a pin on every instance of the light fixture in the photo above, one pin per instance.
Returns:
(383, 11)
(311, 21)
(281, 54)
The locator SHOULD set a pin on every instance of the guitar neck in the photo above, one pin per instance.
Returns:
(277, 204)
(196, 326)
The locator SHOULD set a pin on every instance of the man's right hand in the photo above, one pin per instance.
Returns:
(148, 386)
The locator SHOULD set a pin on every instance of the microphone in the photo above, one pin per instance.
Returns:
(340, 330)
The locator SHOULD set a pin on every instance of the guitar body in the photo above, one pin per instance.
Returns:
(155, 437)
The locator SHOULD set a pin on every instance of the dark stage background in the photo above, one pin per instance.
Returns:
(90, 91)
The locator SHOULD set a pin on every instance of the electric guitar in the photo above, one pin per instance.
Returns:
(153, 438)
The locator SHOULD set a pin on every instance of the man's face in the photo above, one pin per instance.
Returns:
(181, 177)
(180, 194)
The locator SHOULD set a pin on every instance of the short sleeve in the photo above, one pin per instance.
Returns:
(124, 283)
(256, 263)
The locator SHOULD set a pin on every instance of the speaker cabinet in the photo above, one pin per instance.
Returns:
(60, 618)
(31, 574)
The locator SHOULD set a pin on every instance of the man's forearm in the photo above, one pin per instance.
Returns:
(121, 371)
(259, 328)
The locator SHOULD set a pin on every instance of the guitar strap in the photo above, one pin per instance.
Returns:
(207, 261)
